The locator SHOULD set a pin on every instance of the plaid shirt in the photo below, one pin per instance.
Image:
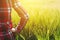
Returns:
(5, 20)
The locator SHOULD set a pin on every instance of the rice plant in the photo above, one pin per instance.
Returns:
(43, 23)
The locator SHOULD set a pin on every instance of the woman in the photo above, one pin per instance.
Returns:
(6, 28)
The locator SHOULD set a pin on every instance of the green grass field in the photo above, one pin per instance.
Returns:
(44, 20)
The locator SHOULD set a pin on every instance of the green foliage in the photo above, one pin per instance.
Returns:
(43, 23)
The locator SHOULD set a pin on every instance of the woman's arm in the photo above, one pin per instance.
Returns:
(22, 13)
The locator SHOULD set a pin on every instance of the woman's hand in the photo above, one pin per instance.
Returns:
(13, 29)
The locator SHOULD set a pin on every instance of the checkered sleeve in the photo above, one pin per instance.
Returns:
(22, 14)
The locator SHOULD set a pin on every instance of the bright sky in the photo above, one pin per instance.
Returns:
(41, 3)
(32, 4)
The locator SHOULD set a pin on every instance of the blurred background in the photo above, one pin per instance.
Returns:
(44, 20)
